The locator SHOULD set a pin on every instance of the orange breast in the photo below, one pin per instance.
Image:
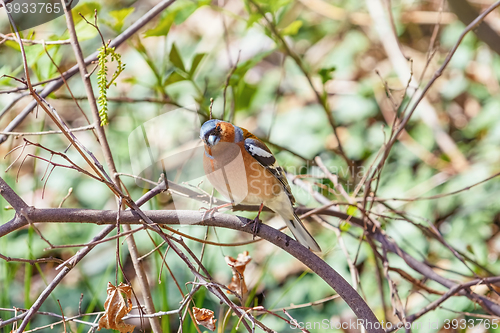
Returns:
(238, 176)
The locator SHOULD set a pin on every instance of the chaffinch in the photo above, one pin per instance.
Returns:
(243, 169)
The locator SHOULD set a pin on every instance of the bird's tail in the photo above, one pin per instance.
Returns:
(301, 234)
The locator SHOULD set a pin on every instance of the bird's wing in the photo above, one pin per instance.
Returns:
(259, 151)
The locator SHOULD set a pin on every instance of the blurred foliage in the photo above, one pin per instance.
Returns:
(183, 58)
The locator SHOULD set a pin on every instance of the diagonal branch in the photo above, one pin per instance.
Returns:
(423, 268)
(141, 274)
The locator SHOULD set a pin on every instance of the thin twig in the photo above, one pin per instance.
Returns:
(21, 134)
(32, 41)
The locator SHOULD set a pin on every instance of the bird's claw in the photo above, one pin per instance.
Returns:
(256, 224)
(209, 211)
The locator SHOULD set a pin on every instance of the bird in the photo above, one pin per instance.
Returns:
(243, 169)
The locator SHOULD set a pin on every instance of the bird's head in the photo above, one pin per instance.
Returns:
(211, 132)
(214, 131)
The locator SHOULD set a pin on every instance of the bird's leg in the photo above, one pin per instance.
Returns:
(256, 222)
(213, 210)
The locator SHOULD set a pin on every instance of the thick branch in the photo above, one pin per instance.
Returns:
(316, 264)
(12, 198)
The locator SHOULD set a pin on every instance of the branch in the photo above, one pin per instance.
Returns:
(77, 129)
(108, 156)
(467, 13)
(316, 264)
(268, 233)
(400, 64)
(436, 75)
(32, 41)
(452, 291)
(321, 97)
(74, 260)
(12, 198)
(423, 268)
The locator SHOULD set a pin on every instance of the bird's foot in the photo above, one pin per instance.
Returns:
(256, 225)
(211, 211)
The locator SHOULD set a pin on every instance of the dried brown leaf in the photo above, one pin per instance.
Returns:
(238, 266)
(204, 317)
(116, 307)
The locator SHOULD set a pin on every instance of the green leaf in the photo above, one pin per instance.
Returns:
(162, 28)
(344, 226)
(244, 66)
(245, 94)
(272, 6)
(276, 5)
(326, 74)
(196, 61)
(12, 44)
(351, 210)
(175, 58)
(292, 28)
(173, 78)
(178, 14)
(254, 17)
(87, 9)
(6, 81)
(131, 80)
(183, 12)
(120, 16)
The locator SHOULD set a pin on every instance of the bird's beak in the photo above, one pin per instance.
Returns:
(212, 140)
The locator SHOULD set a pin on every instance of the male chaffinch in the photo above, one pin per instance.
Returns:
(242, 168)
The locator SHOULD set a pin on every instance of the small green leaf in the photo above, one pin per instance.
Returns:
(184, 11)
(175, 58)
(87, 9)
(196, 61)
(120, 16)
(292, 29)
(351, 210)
(140, 47)
(245, 94)
(244, 66)
(5, 80)
(326, 74)
(173, 78)
(162, 28)
(12, 44)
(254, 17)
(131, 80)
(344, 226)
(276, 5)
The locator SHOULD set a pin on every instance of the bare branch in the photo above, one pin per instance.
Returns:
(32, 41)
